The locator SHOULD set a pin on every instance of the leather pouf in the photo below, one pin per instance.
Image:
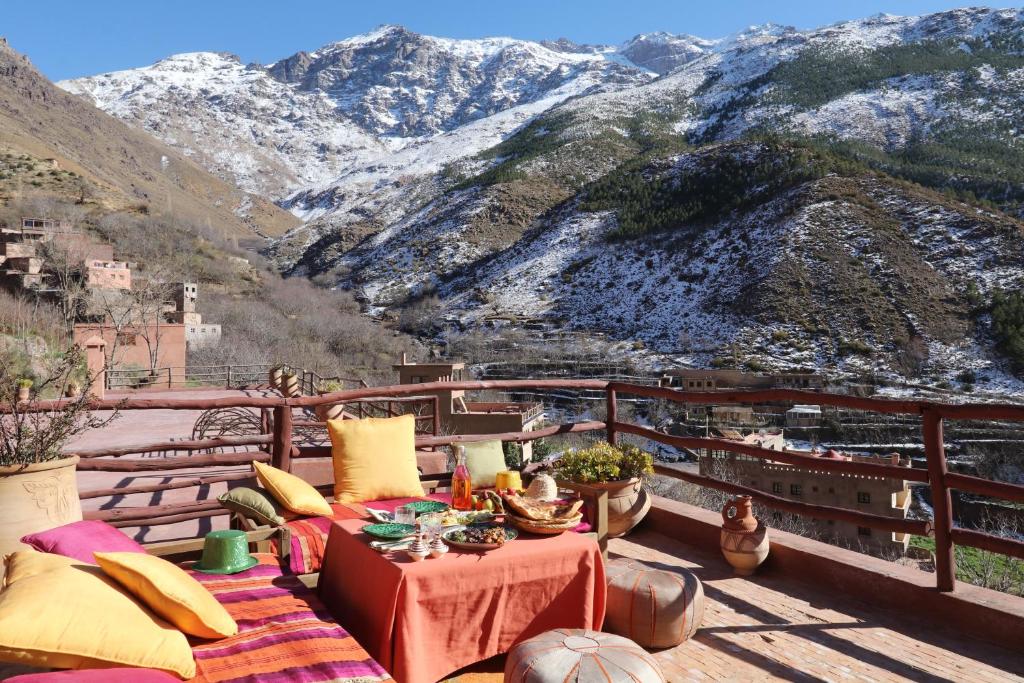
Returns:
(655, 608)
(578, 656)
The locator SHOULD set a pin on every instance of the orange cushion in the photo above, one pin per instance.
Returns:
(374, 459)
(291, 492)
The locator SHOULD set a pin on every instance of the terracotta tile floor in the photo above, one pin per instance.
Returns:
(772, 628)
(768, 628)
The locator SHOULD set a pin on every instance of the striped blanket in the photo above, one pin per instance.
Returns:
(307, 536)
(284, 634)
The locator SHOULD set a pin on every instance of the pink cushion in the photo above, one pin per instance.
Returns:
(81, 539)
(119, 675)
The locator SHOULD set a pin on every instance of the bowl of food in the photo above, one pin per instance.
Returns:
(480, 536)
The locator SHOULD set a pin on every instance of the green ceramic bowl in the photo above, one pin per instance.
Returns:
(389, 531)
(423, 507)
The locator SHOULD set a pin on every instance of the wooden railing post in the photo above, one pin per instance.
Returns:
(942, 503)
(229, 377)
(282, 453)
(612, 405)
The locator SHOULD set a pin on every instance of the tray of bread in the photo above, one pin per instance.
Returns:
(542, 517)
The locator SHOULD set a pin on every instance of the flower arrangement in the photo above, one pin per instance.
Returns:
(603, 462)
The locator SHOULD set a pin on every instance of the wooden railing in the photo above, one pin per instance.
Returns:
(281, 450)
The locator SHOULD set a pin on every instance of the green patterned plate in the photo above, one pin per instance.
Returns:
(389, 531)
(423, 507)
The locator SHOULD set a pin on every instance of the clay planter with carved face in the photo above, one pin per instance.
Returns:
(35, 498)
(744, 539)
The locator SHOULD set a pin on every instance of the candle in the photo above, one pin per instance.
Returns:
(508, 479)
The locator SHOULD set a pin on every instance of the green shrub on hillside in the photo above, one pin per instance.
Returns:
(819, 75)
(1008, 327)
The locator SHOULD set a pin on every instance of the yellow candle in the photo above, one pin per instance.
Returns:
(508, 479)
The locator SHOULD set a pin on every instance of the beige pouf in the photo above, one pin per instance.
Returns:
(655, 608)
(578, 656)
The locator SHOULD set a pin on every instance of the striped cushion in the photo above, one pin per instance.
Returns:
(284, 634)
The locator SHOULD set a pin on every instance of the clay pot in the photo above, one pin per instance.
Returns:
(274, 376)
(326, 411)
(744, 540)
(35, 498)
(628, 503)
(290, 384)
(24, 393)
(72, 391)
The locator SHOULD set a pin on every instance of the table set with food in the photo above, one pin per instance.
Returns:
(431, 588)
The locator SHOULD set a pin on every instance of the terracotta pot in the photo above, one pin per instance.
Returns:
(24, 393)
(744, 539)
(36, 498)
(72, 391)
(628, 503)
(290, 384)
(327, 411)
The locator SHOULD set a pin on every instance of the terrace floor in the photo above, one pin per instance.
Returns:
(770, 627)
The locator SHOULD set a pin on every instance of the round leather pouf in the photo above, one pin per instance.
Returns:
(578, 656)
(652, 607)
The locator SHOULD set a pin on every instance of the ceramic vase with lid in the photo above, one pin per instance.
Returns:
(744, 539)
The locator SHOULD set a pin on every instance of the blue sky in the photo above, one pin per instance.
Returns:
(67, 38)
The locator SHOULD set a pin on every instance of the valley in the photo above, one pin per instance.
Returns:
(778, 199)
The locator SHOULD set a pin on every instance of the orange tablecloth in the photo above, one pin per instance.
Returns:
(423, 620)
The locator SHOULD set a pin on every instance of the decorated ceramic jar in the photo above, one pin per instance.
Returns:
(744, 540)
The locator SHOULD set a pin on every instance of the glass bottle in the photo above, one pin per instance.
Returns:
(462, 487)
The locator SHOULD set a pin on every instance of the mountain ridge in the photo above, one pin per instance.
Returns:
(905, 113)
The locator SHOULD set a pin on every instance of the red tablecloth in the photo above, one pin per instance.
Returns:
(423, 620)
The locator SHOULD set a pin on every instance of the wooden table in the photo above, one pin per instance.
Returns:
(424, 620)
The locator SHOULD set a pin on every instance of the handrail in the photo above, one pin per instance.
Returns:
(932, 413)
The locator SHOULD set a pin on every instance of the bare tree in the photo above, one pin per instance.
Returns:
(64, 262)
(117, 310)
(150, 295)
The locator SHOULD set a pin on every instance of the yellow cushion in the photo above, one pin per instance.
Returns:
(74, 617)
(23, 564)
(484, 459)
(170, 592)
(374, 459)
(292, 492)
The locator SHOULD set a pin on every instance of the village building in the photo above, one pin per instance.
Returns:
(888, 497)
(803, 416)
(459, 416)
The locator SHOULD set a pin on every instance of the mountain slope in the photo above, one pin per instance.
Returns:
(122, 167)
(310, 117)
(845, 198)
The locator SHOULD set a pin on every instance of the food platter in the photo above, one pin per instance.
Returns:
(389, 531)
(451, 535)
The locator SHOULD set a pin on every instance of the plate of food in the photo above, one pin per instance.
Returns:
(389, 531)
(480, 536)
(466, 517)
(541, 517)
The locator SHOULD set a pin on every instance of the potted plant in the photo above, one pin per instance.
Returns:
(38, 490)
(73, 389)
(618, 470)
(24, 389)
(329, 411)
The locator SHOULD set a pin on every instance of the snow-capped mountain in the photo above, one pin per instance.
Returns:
(314, 116)
(518, 180)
